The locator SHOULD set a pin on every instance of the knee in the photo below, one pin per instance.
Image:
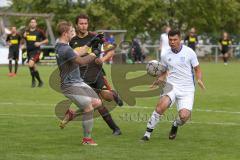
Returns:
(96, 102)
(184, 115)
(159, 110)
(106, 95)
(88, 109)
(31, 63)
(162, 105)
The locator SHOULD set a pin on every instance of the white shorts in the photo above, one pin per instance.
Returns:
(183, 99)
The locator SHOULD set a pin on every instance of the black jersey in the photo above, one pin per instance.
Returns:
(34, 36)
(225, 43)
(91, 72)
(14, 40)
(191, 41)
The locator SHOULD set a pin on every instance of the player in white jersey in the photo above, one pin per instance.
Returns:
(164, 44)
(180, 61)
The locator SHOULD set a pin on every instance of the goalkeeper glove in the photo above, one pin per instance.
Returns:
(99, 38)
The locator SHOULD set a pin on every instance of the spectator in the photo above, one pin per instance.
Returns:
(224, 46)
(136, 51)
(191, 39)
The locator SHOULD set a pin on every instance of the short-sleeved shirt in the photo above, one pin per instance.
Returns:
(15, 42)
(69, 70)
(180, 68)
(92, 71)
(37, 35)
(225, 43)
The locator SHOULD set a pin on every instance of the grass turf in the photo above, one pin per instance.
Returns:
(29, 129)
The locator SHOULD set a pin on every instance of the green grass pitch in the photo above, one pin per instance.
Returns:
(29, 129)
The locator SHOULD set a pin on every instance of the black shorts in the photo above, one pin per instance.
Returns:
(33, 55)
(98, 84)
(224, 51)
(13, 55)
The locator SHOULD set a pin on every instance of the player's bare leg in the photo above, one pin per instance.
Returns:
(184, 115)
(71, 114)
(107, 95)
(111, 94)
(161, 107)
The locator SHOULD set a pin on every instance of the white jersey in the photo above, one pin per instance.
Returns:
(164, 43)
(180, 68)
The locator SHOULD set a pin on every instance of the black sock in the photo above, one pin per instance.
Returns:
(225, 59)
(10, 66)
(38, 76)
(16, 66)
(32, 73)
(107, 118)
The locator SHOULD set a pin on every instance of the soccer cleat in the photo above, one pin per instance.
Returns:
(145, 138)
(117, 132)
(117, 98)
(10, 74)
(173, 132)
(14, 74)
(33, 84)
(40, 84)
(88, 141)
(62, 124)
(69, 115)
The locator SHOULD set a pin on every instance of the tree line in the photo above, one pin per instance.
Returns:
(209, 17)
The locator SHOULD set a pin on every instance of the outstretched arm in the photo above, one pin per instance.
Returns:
(109, 50)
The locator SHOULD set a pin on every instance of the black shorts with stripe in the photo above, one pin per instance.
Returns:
(33, 55)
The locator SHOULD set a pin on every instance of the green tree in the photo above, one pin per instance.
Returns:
(141, 16)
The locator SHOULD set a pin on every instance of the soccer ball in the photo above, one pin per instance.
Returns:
(155, 68)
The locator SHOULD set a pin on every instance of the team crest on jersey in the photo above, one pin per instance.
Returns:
(182, 59)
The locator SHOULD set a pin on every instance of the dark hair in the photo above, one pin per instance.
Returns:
(174, 32)
(81, 16)
(62, 27)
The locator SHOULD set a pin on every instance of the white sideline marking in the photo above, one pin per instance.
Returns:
(53, 116)
(198, 110)
(27, 115)
(128, 107)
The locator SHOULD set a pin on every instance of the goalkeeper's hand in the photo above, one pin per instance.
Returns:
(99, 61)
(99, 38)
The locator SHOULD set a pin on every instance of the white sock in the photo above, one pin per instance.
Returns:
(152, 122)
(178, 122)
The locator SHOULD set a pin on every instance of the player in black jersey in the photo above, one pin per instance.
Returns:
(191, 39)
(92, 73)
(13, 40)
(225, 47)
(34, 37)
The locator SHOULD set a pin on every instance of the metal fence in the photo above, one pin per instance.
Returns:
(205, 52)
